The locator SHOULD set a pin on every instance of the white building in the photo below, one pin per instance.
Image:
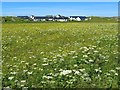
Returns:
(78, 18)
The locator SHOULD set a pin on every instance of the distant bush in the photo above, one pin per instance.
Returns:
(103, 19)
(14, 19)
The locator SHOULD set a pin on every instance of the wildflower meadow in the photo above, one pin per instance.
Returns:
(60, 55)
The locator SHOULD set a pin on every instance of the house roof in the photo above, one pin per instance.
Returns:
(25, 17)
(78, 16)
(60, 17)
(40, 17)
(45, 17)
(49, 17)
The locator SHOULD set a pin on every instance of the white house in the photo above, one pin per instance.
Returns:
(61, 19)
(78, 18)
(49, 18)
(56, 18)
(38, 18)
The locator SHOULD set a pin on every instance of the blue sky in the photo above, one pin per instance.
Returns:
(60, 0)
(63, 8)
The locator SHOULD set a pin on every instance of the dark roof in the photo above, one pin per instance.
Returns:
(78, 16)
(45, 17)
(61, 18)
(40, 17)
(24, 17)
(49, 17)
(65, 17)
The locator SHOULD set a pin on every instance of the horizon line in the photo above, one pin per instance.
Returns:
(57, 14)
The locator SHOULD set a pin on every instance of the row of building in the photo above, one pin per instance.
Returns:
(56, 18)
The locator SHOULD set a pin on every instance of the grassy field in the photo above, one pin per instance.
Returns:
(75, 55)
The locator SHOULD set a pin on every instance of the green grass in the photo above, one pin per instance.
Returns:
(75, 55)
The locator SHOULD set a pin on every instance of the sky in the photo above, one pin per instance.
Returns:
(60, 0)
(63, 8)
